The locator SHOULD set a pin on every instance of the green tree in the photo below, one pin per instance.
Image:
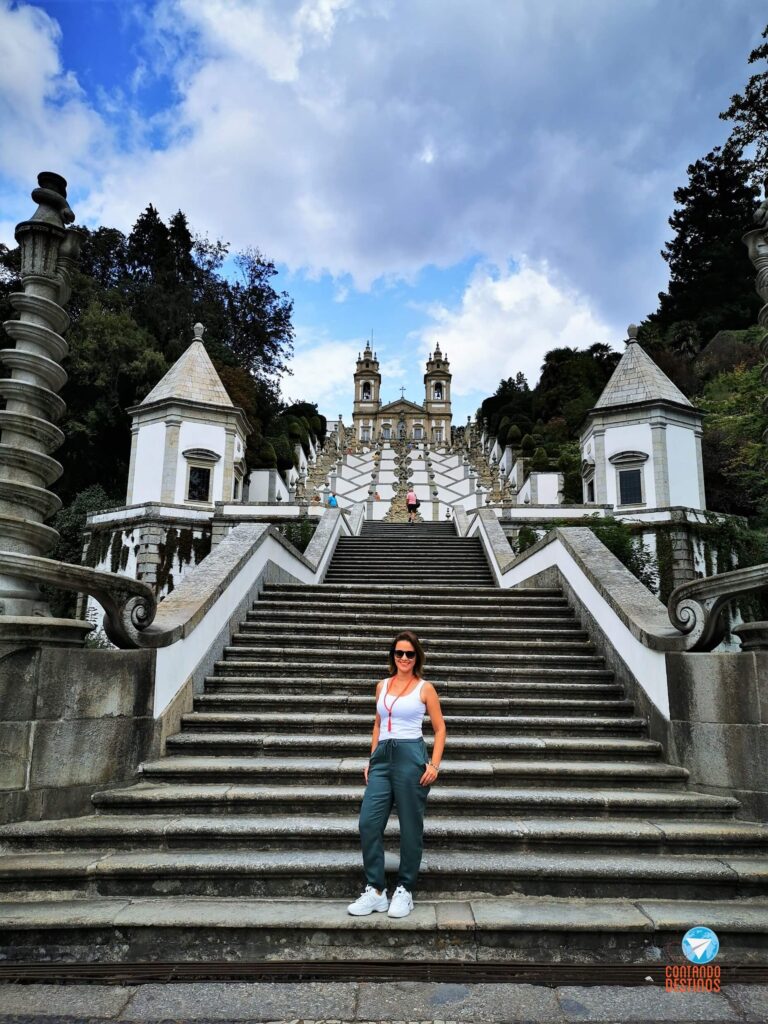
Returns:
(113, 364)
(732, 443)
(262, 332)
(749, 111)
(540, 460)
(711, 280)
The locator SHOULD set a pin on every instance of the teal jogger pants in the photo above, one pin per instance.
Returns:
(393, 778)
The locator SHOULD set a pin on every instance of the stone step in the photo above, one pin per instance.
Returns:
(243, 721)
(249, 831)
(232, 798)
(521, 929)
(470, 747)
(440, 659)
(562, 633)
(337, 703)
(335, 873)
(465, 593)
(491, 677)
(468, 689)
(391, 573)
(329, 615)
(392, 577)
(439, 564)
(393, 597)
(375, 670)
(458, 613)
(388, 560)
(373, 647)
(330, 771)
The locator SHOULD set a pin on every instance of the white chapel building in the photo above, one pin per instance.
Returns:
(187, 438)
(641, 442)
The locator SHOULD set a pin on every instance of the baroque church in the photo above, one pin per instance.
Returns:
(402, 419)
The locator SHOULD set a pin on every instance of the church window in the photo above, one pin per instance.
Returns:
(629, 476)
(630, 487)
(591, 491)
(199, 484)
(365, 433)
(438, 434)
(236, 489)
(418, 433)
(386, 431)
(438, 392)
(366, 392)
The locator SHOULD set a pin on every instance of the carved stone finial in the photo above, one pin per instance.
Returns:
(632, 334)
(198, 330)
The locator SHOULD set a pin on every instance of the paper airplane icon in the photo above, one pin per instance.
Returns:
(699, 946)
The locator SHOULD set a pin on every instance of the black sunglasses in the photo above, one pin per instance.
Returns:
(397, 653)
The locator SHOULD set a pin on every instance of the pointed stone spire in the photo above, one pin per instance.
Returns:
(192, 378)
(638, 379)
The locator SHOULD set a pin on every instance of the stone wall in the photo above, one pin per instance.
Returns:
(71, 721)
(719, 725)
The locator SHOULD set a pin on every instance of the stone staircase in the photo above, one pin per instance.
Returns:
(557, 830)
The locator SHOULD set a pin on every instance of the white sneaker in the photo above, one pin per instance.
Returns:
(402, 903)
(369, 901)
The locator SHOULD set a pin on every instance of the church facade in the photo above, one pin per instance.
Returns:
(402, 419)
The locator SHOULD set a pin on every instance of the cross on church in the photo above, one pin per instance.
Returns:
(402, 392)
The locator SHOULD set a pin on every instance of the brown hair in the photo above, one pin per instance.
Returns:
(413, 640)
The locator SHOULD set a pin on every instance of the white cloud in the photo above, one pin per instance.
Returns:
(46, 121)
(322, 370)
(368, 138)
(507, 320)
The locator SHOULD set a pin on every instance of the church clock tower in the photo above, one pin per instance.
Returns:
(367, 396)
(437, 398)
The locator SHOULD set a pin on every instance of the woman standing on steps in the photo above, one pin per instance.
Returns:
(399, 772)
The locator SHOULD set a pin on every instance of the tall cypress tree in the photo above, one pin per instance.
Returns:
(711, 281)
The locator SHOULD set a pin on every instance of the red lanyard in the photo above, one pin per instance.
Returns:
(389, 709)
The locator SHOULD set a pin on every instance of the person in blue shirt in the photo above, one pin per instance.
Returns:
(333, 502)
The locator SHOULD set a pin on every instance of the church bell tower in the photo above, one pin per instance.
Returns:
(437, 398)
(367, 395)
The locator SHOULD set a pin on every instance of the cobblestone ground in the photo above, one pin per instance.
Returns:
(375, 1003)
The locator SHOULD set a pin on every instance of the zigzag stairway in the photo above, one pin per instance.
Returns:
(557, 829)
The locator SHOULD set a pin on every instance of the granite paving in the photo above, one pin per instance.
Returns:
(376, 1003)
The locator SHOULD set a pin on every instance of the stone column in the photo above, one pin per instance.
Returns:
(132, 464)
(682, 555)
(29, 388)
(229, 465)
(660, 463)
(170, 459)
(601, 483)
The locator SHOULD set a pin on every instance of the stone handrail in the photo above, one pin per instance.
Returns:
(696, 608)
(134, 619)
(461, 520)
(129, 606)
(643, 614)
(693, 619)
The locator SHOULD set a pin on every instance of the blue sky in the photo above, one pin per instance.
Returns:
(495, 175)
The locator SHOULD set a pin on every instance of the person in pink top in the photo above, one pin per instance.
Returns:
(411, 503)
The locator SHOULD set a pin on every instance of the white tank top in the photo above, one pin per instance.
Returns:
(404, 714)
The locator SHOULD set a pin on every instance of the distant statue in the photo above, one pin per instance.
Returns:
(761, 213)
